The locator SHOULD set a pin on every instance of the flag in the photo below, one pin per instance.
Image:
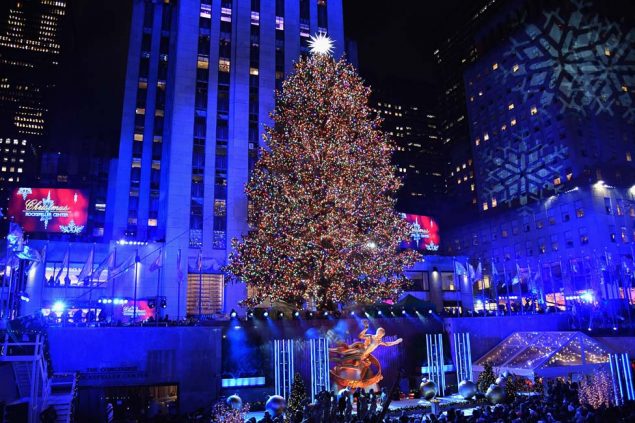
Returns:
(87, 270)
(15, 237)
(179, 270)
(28, 253)
(199, 260)
(459, 269)
(65, 262)
(123, 267)
(107, 263)
(158, 263)
(470, 272)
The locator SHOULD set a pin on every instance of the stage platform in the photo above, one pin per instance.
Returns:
(414, 406)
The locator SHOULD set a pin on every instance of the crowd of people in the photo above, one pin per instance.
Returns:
(559, 404)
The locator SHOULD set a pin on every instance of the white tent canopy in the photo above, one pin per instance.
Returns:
(547, 354)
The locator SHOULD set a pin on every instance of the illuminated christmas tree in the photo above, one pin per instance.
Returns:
(323, 229)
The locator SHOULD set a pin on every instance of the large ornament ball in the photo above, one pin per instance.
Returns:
(276, 405)
(428, 389)
(495, 394)
(235, 402)
(467, 389)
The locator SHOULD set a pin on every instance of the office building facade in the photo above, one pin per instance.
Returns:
(418, 153)
(200, 86)
(30, 46)
(552, 136)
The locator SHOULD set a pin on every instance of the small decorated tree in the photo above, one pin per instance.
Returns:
(486, 378)
(297, 396)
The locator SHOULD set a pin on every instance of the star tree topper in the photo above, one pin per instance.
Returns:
(321, 44)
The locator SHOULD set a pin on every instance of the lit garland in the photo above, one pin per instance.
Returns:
(323, 225)
(596, 389)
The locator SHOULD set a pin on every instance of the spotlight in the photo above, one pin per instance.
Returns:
(435, 269)
(353, 313)
(233, 314)
(614, 327)
(309, 314)
(164, 303)
(265, 314)
(429, 311)
(379, 313)
(58, 307)
(25, 297)
(296, 314)
(589, 329)
(250, 314)
(403, 311)
(280, 315)
(326, 313)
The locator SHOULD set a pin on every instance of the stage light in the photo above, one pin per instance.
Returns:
(429, 311)
(266, 314)
(435, 269)
(614, 327)
(280, 315)
(589, 329)
(296, 314)
(379, 312)
(352, 313)
(24, 297)
(250, 314)
(164, 302)
(233, 314)
(403, 311)
(58, 307)
(326, 313)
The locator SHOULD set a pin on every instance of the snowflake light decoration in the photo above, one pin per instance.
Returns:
(321, 44)
(24, 192)
(585, 61)
(48, 205)
(71, 228)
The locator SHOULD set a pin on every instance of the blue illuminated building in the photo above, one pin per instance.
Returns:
(199, 88)
(552, 123)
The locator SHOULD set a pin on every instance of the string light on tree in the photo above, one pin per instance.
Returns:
(323, 225)
(321, 44)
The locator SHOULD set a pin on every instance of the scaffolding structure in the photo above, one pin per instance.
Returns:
(320, 375)
(462, 356)
(283, 366)
(436, 371)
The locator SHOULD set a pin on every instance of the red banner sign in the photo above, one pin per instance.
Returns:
(424, 233)
(49, 209)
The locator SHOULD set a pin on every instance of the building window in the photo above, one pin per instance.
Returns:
(204, 293)
(584, 236)
(579, 210)
(447, 281)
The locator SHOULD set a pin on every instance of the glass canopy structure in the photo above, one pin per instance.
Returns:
(546, 354)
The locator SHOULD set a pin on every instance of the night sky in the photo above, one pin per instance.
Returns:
(395, 42)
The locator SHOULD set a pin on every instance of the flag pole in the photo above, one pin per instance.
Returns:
(482, 286)
(509, 307)
(112, 278)
(200, 285)
(156, 306)
(178, 293)
(136, 279)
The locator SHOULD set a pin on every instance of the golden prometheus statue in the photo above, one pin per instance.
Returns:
(356, 367)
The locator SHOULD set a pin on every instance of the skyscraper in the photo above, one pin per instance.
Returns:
(29, 54)
(552, 126)
(419, 157)
(200, 85)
